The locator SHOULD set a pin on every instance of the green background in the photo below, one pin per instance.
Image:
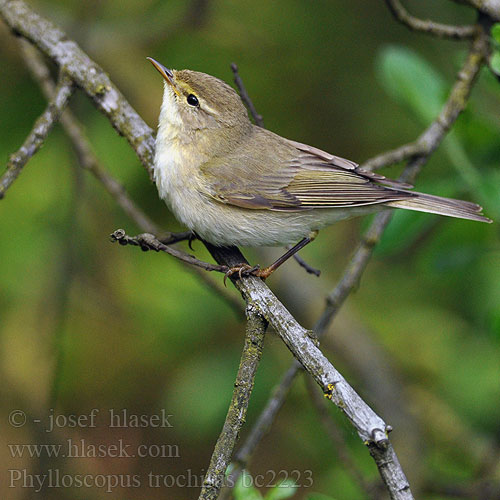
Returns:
(88, 324)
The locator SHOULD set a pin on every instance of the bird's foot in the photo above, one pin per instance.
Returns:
(248, 270)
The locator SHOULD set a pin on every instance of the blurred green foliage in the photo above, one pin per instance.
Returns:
(244, 488)
(87, 324)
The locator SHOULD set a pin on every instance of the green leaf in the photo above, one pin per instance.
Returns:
(285, 489)
(495, 62)
(495, 32)
(411, 81)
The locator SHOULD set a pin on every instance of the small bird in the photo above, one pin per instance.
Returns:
(233, 183)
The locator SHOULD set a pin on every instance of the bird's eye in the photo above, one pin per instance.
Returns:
(193, 100)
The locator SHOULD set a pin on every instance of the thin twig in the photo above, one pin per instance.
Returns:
(427, 26)
(308, 268)
(245, 97)
(41, 129)
(149, 242)
(250, 358)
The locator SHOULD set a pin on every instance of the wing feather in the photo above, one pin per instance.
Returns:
(300, 177)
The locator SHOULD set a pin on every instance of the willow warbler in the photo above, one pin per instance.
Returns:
(234, 183)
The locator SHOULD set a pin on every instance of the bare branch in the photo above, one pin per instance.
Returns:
(149, 242)
(427, 26)
(40, 131)
(250, 358)
(432, 137)
(302, 344)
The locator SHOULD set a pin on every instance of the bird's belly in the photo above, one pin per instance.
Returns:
(227, 225)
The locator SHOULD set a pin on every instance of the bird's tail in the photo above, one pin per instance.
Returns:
(442, 206)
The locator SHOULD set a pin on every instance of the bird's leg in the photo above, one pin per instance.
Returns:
(246, 270)
(267, 271)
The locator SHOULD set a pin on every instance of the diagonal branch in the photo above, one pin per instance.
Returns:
(427, 26)
(40, 131)
(250, 358)
(303, 345)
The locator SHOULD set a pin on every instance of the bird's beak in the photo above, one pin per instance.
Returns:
(165, 72)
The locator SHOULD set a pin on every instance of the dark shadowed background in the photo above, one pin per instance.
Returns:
(88, 324)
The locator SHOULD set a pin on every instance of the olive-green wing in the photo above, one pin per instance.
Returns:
(297, 177)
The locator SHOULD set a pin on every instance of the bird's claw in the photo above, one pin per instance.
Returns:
(242, 270)
(191, 238)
